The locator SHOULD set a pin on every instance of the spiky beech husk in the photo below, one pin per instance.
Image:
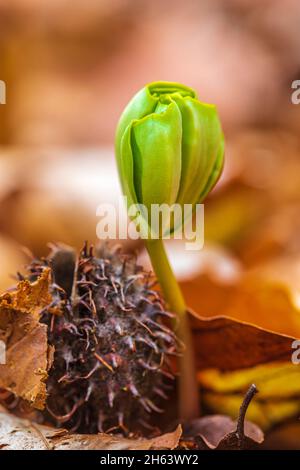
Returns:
(112, 364)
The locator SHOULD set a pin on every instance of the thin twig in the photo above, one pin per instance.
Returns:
(242, 413)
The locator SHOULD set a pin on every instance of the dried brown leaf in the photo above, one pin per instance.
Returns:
(252, 320)
(22, 434)
(28, 357)
(28, 297)
(240, 318)
(266, 296)
(228, 344)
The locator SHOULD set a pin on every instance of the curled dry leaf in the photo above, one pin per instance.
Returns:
(22, 434)
(229, 344)
(256, 311)
(28, 356)
(251, 341)
(240, 318)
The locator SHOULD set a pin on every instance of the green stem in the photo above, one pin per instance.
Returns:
(188, 388)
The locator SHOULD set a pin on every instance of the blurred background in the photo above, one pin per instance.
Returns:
(71, 66)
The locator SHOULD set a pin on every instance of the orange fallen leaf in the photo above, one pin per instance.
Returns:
(229, 344)
(240, 318)
(266, 296)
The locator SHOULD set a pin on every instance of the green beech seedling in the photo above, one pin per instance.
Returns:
(169, 149)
